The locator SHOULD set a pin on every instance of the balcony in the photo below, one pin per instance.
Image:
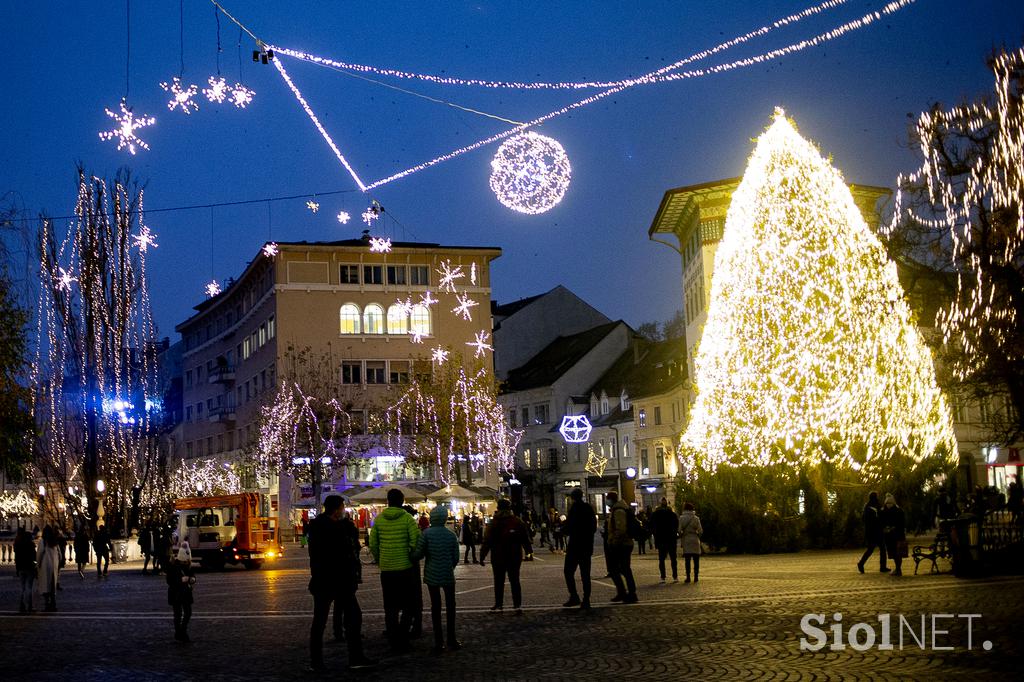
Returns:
(222, 374)
(222, 413)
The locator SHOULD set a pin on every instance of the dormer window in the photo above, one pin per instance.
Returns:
(593, 405)
(604, 403)
(624, 400)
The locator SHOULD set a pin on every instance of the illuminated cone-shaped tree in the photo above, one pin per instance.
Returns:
(810, 353)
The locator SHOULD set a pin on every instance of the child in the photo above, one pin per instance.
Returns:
(439, 547)
(180, 580)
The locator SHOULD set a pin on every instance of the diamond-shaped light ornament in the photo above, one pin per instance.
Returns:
(575, 428)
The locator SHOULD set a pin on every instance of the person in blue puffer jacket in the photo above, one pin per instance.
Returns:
(439, 548)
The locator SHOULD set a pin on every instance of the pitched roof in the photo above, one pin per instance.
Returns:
(508, 309)
(556, 359)
(643, 369)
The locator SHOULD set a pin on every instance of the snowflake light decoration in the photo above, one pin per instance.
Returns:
(448, 275)
(218, 90)
(575, 428)
(343, 217)
(462, 309)
(417, 335)
(64, 280)
(380, 244)
(145, 239)
(127, 124)
(404, 307)
(595, 463)
(472, 273)
(181, 97)
(270, 249)
(371, 214)
(212, 289)
(241, 96)
(530, 173)
(480, 344)
(427, 300)
(439, 355)
(313, 206)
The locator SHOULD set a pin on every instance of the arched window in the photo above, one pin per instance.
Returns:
(420, 320)
(373, 319)
(350, 319)
(398, 321)
(604, 403)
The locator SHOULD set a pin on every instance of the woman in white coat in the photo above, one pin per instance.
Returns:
(48, 560)
(689, 531)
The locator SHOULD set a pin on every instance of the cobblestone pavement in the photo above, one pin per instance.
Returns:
(741, 621)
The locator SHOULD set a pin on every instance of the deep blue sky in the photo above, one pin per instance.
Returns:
(65, 62)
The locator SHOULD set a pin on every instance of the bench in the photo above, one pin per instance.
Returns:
(939, 549)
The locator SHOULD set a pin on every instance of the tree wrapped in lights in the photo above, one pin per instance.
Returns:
(959, 223)
(450, 419)
(810, 354)
(94, 377)
(200, 477)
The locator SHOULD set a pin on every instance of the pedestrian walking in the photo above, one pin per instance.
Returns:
(642, 519)
(544, 536)
(873, 538)
(558, 531)
(334, 579)
(102, 545)
(620, 549)
(470, 528)
(580, 526)
(393, 538)
(163, 539)
(82, 549)
(507, 540)
(665, 531)
(25, 567)
(438, 547)
(147, 547)
(180, 581)
(894, 532)
(48, 562)
(690, 531)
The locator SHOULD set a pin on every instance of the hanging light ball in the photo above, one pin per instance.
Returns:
(530, 173)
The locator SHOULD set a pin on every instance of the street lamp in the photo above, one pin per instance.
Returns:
(100, 485)
(42, 490)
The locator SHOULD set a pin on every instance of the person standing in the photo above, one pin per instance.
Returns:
(507, 540)
(102, 545)
(469, 534)
(82, 549)
(642, 519)
(580, 526)
(415, 603)
(180, 580)
(544, 537)
(894, 531)
(439, 549)
(690, 531)
(25, 566)
(872, 518)
(665, 531)
(332, 569)
(393, 538)
(620, 548)
(48, 560)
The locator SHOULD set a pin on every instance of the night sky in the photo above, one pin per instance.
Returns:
(65, 62)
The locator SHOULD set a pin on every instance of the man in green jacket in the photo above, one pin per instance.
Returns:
(393, 539)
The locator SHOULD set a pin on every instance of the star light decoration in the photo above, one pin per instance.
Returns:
(380, 244)
(480, 344)
(808, 332)
(127, 124)
(312, 206)
(65, 279)
(370, 215)
(144, 239)
(427, 299)
(462, 309)
(530, 173)
(438, 356)
(218, 90)
(241, 96)
(212, 289)
(181, 97)
(417, 335)
(575, 428)
(595, 463)
(270, 249)
(448, 275)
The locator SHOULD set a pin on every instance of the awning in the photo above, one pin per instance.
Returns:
(379, 495)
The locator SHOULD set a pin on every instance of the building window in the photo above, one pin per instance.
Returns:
(263, 334)
(419, 322)
(374, 371)
(642, 417)
(540, 414)
(398, 321)
(351, 372)
(604, 404)
(644, 467)
(659, 455)
(512, 417)
(624, 401)
(373, 319)
(526, 416)
(396, 274)
(373, 274)
(199, 374)
(399, 371)
(349, 274)
(419, 275)
(350, 319)
(188, 378)
(625, 447)
(188, 450)
(657, 415)
(188, 414)
(675, 412)
(984, 410)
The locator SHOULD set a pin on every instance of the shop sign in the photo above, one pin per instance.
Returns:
(571, 484)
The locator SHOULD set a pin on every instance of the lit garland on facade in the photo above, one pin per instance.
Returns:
(530, 173)
(810, 352)
(127, 124)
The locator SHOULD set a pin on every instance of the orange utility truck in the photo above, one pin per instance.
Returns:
(227, 529)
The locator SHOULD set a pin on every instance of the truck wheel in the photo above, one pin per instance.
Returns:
(253, 565)
(213, 563)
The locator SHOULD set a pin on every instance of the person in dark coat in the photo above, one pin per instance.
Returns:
(147, 546)
(894, 530)
(580, 526)
(102, 545)
(470, 526)
(872, 517)
(82, 549)
(507, 540)
(665, 530)
(180, 579)
(415, 596)
(25, 566)
(352, 533)
(333, 579)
